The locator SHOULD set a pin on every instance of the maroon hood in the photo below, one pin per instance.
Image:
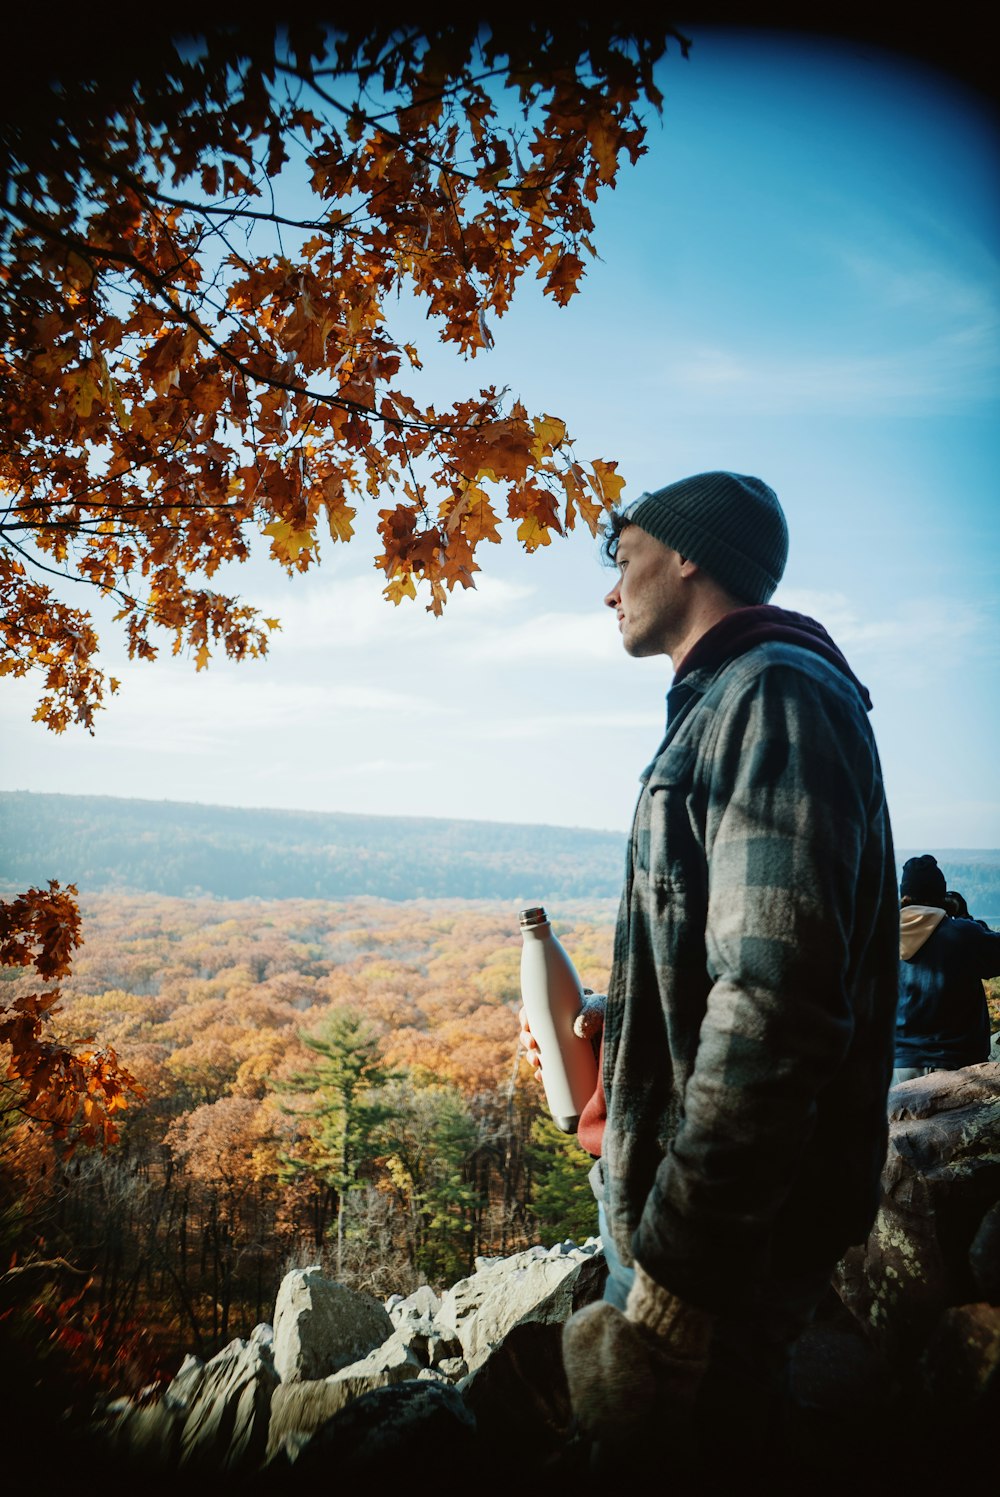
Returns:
(740, 630)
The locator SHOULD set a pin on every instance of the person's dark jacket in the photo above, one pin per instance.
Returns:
(749, 1025)
(942, 1019)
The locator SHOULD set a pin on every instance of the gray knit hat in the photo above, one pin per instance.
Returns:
(730, 524)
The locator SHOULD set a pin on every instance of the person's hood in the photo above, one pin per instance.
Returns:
(916, 923)
(744, 628)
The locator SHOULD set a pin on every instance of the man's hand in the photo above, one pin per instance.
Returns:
(589, 1022)
(587, 1025)
(529, 1045)
(634, 1377)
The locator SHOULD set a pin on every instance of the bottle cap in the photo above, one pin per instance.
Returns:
(534, 916)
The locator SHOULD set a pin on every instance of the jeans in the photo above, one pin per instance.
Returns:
(620, 1276)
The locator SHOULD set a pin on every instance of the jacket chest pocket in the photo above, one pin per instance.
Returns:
(665, 841)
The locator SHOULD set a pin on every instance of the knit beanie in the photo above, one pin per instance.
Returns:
(923, 881)
(728, 523)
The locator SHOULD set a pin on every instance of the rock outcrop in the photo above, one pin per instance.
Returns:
(319, 1326)
(898, 1376)
(327, 1382)
(925, 1287)
(214, 1416)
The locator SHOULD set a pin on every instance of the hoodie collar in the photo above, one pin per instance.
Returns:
(744, 628)
(917, 923)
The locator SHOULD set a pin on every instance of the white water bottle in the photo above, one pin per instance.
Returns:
(553, 996)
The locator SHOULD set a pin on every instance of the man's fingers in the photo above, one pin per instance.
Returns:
(532, 1055)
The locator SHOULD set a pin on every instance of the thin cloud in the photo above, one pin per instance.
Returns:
(913, 622)
(903, 274)
(941, 373)
(379, 767)
(550, 638)
(558, 725)
(925, 313)
(196, 716)
(345, 612)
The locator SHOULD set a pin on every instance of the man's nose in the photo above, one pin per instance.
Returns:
(611, 598)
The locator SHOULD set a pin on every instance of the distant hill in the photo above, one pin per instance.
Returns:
(102, 843)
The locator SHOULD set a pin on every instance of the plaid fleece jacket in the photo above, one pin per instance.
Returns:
(748, 1039)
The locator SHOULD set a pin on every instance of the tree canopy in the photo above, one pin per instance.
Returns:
(208, 243)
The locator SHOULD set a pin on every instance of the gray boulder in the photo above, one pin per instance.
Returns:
(519, 1392)
(932, 1244)
(925, 1287)
(418, 1326)
(405, 1434)
(481, 1309)
(214, 1415)
(959, 1372)
(226, 1424)
(148, 1434)
(438, 1339)
(420, 1306)
(320, 1326)
(300, 1408)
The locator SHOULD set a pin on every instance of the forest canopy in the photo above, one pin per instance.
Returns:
(209, 242)
(336, 1082)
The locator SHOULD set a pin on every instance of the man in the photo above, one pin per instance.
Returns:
(942, 1022)
(748, 1035)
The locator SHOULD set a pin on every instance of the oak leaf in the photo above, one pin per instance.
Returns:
(532, 534)
(287, 542)
(606, 482)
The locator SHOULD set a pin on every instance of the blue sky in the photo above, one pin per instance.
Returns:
(799, 280)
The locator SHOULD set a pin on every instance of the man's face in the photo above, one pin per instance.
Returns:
(648, 597)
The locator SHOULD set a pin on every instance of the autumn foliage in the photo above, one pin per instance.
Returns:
(207, 268)
(324, 1081)
(74, 1091)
